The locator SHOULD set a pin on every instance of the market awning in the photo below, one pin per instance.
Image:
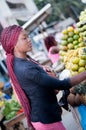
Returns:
(37, 19)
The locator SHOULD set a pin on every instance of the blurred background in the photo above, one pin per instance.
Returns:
(41, 18)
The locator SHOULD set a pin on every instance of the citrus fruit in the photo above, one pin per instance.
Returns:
(81, 69)
(75, 60)
(70, 29)
(70, 46)
(74, 67)
(70, 39)
(64, 42)
(82, 63)
(75, 37)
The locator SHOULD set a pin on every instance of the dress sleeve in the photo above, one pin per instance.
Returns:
(44, 80)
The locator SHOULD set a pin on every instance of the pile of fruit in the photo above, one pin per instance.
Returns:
(72, 49)
(77, 94)
(71, 40)
(82, 25)
(75, 60)
(11, 109)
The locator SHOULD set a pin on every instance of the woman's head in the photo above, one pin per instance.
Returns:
(23, 44)
(9, 37)
(15, 38)
(50, 41)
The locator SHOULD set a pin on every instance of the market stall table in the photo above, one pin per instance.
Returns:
(10, 123)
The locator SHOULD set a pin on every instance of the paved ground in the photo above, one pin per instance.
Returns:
(69, 122)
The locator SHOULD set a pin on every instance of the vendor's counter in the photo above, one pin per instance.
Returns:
(10, 123)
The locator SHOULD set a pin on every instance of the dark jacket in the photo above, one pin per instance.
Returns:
(39, 88)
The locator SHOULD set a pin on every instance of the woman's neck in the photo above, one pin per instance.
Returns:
(20, 55)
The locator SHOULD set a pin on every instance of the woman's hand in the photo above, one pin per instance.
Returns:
(49, 71)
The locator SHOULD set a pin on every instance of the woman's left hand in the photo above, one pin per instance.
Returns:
(49, 71)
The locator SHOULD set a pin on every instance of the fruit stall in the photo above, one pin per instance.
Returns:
(73, 55)
(11, 113)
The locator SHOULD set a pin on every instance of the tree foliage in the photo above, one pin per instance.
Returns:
(62, 9)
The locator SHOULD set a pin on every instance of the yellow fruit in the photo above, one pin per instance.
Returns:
(65, 37)
(81, 44)
(76, 31)
(64, 48)
(70, 29)
(83, 57)
(65, 31)
(75, 42)
(75, 60)
(73, 73)
(84, 28)
(1, 103)
(64, 42)
(70, 34)
(82, 63)
(62, 53)
(74, 67)
(80, 39)
(76, 46)
(70, 46)
(81, 69)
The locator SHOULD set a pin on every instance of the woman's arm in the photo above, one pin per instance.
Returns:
(78, 78)
(44, 80)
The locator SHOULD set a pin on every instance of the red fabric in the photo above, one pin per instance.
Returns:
(9, 37)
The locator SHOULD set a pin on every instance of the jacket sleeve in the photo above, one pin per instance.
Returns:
(44, 80)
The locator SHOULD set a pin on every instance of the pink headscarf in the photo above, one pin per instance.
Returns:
(9, 37)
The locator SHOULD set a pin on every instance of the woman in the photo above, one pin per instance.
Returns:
(52, 48)
(33, 85)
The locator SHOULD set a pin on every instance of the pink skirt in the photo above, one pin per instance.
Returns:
(53, 126)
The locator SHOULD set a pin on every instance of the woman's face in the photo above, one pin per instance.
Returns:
(23, 44)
